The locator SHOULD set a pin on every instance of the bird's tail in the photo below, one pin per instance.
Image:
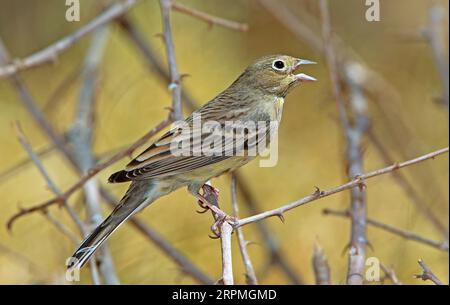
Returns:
(139, 195)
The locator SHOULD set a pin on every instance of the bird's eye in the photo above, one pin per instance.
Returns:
(278, 65)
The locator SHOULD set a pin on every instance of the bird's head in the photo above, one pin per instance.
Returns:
(276, 74)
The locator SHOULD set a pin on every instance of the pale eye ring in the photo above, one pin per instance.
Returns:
(278, 65)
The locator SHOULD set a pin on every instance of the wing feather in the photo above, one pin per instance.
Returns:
(158, 159)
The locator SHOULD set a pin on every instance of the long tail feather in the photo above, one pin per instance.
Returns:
(139, 195)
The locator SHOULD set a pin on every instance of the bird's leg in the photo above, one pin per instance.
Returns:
(210, 194)
(210, 189)
(209, 200)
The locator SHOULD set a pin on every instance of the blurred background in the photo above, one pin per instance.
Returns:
(406, 112)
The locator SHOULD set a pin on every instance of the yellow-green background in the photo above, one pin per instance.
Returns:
(131, 100)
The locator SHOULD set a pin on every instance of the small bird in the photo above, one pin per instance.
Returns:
(256, 95)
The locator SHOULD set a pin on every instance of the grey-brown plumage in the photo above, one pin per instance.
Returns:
(257, 95)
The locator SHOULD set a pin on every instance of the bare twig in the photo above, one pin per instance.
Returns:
(354, 134)
(434, 35)
(54, 188)
(276, 255)
(51, 185)
(250, 274)
(61, 227)
(50, 53)
(211, 20)
(225, 230)
(427, 274)
(303, 27)
(10, 171)
(441, 245)
(175, 78)
(29, 103)
(320, 265)
(356, 182)
(390, 273)
(81, 137)
(408, 188)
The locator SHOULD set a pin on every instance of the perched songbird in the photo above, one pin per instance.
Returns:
(257, 95)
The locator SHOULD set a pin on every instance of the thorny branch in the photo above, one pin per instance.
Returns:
(354, 155)
(50, 53)
(81, 136)
(91, 173)
(354, 133)
(441, 245)
(175, 78)
(276, 256)
(303, 28)
(408, 189)
(81, 226)
(51, 185)
(355, 182)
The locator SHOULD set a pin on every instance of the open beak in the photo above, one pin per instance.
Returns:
(301, 76)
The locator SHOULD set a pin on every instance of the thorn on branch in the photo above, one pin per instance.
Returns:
(317, 192)
(396, 165)
(184, 75)
(346, 249)
(281, 217)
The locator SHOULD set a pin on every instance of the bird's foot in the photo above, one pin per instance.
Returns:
(219, 215)
(217, 225)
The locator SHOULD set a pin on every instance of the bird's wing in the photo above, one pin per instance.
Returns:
(159, 160)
